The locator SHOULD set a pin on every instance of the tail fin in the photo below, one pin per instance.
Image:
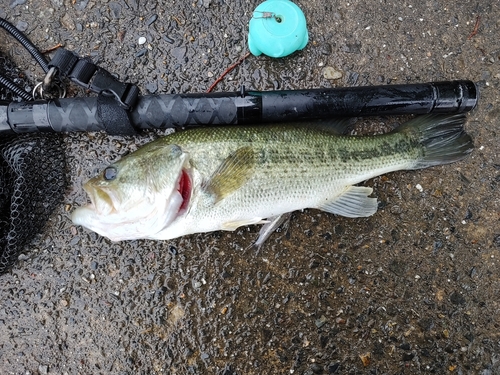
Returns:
(442, 137)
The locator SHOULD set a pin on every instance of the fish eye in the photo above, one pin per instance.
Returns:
(110, 173)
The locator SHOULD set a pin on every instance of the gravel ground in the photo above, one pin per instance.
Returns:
(413, 289)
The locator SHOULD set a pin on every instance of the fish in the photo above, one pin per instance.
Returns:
(210, 179)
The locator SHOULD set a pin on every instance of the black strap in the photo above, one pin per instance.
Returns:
(113, 118)
(85, 73)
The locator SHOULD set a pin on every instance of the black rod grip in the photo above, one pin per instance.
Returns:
(187, 110)
(244, 107)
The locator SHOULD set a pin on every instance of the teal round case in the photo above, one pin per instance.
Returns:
(277, 29)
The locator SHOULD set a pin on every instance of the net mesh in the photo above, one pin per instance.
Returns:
(32, 183)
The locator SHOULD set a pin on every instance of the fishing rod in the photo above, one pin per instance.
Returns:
(120, 109)
(104, 112)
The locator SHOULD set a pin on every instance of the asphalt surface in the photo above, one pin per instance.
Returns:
(413, 289)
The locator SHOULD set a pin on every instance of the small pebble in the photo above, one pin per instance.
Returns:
(172, 250)
(326, 49)
(333, 368)
(352, 78)
(67, 22)
(22, 26)
(15, 3)
(354, 47)
(457, 299)
(266, 278)
(496, 240)
(316, 368)
(115, 9)
(151, 19)
(365, 358)
(141, 40)
(396, 210)
(168, 39)
(179, 52)
(473, 272)
(321, 321)
(152, 87)
(331, 73)
(141, 53)
(22, 257)
(406, 357)
(81, 5)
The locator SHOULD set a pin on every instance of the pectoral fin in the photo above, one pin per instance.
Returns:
(232, 174)
(353, 202)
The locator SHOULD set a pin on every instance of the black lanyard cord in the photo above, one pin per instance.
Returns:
(26, 43)
(30, 47)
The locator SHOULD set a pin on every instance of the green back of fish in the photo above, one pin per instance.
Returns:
(298, 152)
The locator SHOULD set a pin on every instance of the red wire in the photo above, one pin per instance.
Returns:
(227, 71)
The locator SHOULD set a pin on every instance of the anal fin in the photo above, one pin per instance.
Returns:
(353, 202)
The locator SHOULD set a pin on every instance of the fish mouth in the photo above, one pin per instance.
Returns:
(101, 200)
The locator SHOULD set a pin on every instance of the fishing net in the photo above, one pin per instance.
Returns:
(32, 183)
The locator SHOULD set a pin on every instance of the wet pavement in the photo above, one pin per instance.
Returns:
(413, 289)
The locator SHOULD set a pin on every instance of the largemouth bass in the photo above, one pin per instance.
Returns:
(210, 179)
